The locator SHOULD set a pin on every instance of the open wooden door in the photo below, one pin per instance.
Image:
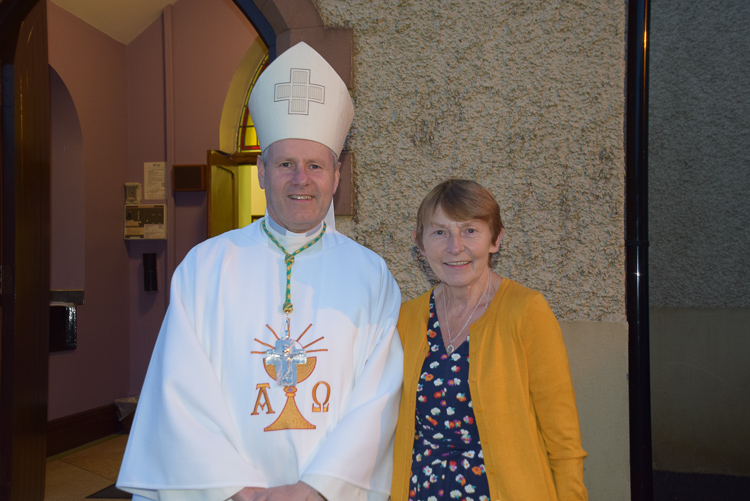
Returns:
(234, 199)
(24, 152)
(222, 194)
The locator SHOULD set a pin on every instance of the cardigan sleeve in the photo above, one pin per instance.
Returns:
(553, 398)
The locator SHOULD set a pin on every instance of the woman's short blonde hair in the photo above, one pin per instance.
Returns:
(461, 200)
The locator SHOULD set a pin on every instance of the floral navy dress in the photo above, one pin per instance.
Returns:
(447, 461)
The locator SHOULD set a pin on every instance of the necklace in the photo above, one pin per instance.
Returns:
(450, 348)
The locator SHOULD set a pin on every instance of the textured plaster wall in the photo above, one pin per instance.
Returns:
(699, 165)
(526, 97)
(699, 186)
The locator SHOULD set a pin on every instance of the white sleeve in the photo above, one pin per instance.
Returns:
(184, 495)
(183, 443)
(355, 461)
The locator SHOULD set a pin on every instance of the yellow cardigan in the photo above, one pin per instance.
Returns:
(521, 393)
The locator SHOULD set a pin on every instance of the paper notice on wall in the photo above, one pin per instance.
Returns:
(154, 181)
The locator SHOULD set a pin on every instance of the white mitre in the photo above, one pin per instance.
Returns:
(300, 96)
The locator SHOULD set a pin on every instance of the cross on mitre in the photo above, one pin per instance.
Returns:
(285, 357)
(299, 92)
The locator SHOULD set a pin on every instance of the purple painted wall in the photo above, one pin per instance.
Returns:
(178, 84)
(67, 197)
(210, 39)
(146, 104)
(158, 99)
(92, 67)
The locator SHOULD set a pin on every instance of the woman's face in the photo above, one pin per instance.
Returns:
(458, 250)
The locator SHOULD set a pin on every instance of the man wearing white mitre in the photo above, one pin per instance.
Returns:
(277, 372)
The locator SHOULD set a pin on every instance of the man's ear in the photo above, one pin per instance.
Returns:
(261, 172)
(336, 177)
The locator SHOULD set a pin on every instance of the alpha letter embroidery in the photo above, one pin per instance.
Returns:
(266, 402)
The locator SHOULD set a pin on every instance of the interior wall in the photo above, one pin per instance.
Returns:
(93, 68)
(67, 197)
(699, 128)
(179, 73)
(183, 64)
(147, 134)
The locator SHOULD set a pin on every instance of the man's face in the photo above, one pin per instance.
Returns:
(300, 178)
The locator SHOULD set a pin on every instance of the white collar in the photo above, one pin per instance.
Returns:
(279, 230)
(290, 240)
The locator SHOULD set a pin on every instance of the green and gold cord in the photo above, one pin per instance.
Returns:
(289, 260)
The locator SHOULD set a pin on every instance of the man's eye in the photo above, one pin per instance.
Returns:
(315, 166)
(285, 164)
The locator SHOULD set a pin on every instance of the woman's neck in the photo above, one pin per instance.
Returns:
(467, 296)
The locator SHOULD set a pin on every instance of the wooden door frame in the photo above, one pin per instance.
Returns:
(25, 157)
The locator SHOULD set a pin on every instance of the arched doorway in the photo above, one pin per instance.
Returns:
(281, 24)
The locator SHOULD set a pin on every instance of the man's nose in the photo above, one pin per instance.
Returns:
(301, 175)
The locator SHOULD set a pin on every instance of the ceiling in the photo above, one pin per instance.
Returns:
(122, 20)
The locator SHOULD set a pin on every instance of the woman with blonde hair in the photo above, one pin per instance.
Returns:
(488, 410)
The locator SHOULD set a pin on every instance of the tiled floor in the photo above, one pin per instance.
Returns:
(75, 474)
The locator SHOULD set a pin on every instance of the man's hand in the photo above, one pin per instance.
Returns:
(247, 493)
(295, 492)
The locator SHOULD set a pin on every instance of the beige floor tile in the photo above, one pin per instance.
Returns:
(66, 482)
(103, 459)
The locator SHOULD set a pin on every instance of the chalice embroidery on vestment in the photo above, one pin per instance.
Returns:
(287, 362)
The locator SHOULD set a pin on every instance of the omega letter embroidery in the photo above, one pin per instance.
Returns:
(317, 405)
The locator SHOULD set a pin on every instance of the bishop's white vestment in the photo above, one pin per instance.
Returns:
(211, 418)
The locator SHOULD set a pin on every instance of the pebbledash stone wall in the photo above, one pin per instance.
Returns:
(525, 96)
(699, 182)
(699, 128)
(528, 98)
